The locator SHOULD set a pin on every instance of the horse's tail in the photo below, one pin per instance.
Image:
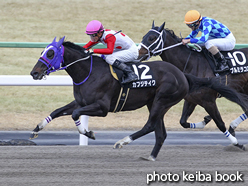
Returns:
(214, 83)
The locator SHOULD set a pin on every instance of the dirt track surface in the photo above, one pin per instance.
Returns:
(105, 166)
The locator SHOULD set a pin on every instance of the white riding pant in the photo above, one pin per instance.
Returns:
(123, 55)
(223, 44)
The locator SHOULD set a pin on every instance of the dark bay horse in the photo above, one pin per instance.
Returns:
(163, 42)
(96, 91)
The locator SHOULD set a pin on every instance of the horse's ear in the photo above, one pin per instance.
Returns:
(54, 40)
(60, 41)
(153, 24)
(161, 27)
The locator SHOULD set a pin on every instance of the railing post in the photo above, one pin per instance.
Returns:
(83, 140)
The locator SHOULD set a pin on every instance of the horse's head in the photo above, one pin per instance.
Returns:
(152, 42)
(50, 60)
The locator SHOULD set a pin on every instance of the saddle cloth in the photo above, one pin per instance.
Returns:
(145, 80)
(143, 71)
(236, 60)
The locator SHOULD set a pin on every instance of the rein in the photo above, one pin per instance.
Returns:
(169, 47)
(91, 62)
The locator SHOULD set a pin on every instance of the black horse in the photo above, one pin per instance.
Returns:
(163, 42)
(96, 92)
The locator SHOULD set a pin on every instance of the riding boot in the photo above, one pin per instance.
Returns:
(222, 65)
(130, 75)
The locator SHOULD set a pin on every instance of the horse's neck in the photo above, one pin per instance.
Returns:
(188, 61)
(177, 55)
(86, 69)
(79, 70)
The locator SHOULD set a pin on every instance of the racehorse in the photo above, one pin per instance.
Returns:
(96, 92)
(163, 42)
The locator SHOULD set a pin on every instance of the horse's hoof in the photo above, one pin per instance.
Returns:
(242, 147)
(207, 119)
(33, 135)
(232, 131)
(90, 135)
(117, 146)
(150, 158)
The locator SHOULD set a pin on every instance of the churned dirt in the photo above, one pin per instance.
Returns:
(105, 166)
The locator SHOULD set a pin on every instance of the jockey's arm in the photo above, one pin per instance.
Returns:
(110, 46)
(89, 44)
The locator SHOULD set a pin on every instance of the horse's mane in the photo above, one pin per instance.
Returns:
(173, 35)
(74, 46)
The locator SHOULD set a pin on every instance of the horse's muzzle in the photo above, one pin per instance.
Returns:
(36, 75)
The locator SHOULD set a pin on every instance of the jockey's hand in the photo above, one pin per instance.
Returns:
(185, 41)
(88, 52)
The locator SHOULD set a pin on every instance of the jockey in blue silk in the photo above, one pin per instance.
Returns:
(215, 36)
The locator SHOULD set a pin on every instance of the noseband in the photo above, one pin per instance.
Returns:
(158, 44)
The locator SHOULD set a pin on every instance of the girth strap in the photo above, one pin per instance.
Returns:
(122, 98)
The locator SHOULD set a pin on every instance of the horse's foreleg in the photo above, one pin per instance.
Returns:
(39, 127)
(95, 109)
(66, 110)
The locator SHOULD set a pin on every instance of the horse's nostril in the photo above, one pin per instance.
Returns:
(34, 74)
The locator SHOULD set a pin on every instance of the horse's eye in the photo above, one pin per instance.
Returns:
(152, 38)
(50, 54)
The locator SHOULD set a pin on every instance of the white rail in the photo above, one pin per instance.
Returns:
(27, 80)
(57, 80)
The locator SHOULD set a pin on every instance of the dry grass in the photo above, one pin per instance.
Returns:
(41, 20)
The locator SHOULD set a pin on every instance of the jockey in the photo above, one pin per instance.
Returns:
(214, 35)
(120, 48)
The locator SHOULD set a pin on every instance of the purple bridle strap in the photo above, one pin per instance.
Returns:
(54, 66)
(91, 62)
(44, 61)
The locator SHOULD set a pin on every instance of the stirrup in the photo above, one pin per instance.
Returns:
(129, 79)
(222, 70)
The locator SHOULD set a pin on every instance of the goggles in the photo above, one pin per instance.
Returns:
(192, 25)
(93, 35)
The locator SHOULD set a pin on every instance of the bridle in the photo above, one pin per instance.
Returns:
(157, 45)
(159, 48)
(57, 63)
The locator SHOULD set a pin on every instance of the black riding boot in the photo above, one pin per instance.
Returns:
(222, 63)
(131, 76)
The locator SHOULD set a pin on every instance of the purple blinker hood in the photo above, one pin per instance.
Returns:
(56, 62)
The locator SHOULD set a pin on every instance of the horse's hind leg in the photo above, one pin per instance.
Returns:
(213, 111)
(234, 124)
(149, 127)
(66, 110)
(188, 109)
(160, 134)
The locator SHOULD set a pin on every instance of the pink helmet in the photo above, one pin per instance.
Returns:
(94, 27)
